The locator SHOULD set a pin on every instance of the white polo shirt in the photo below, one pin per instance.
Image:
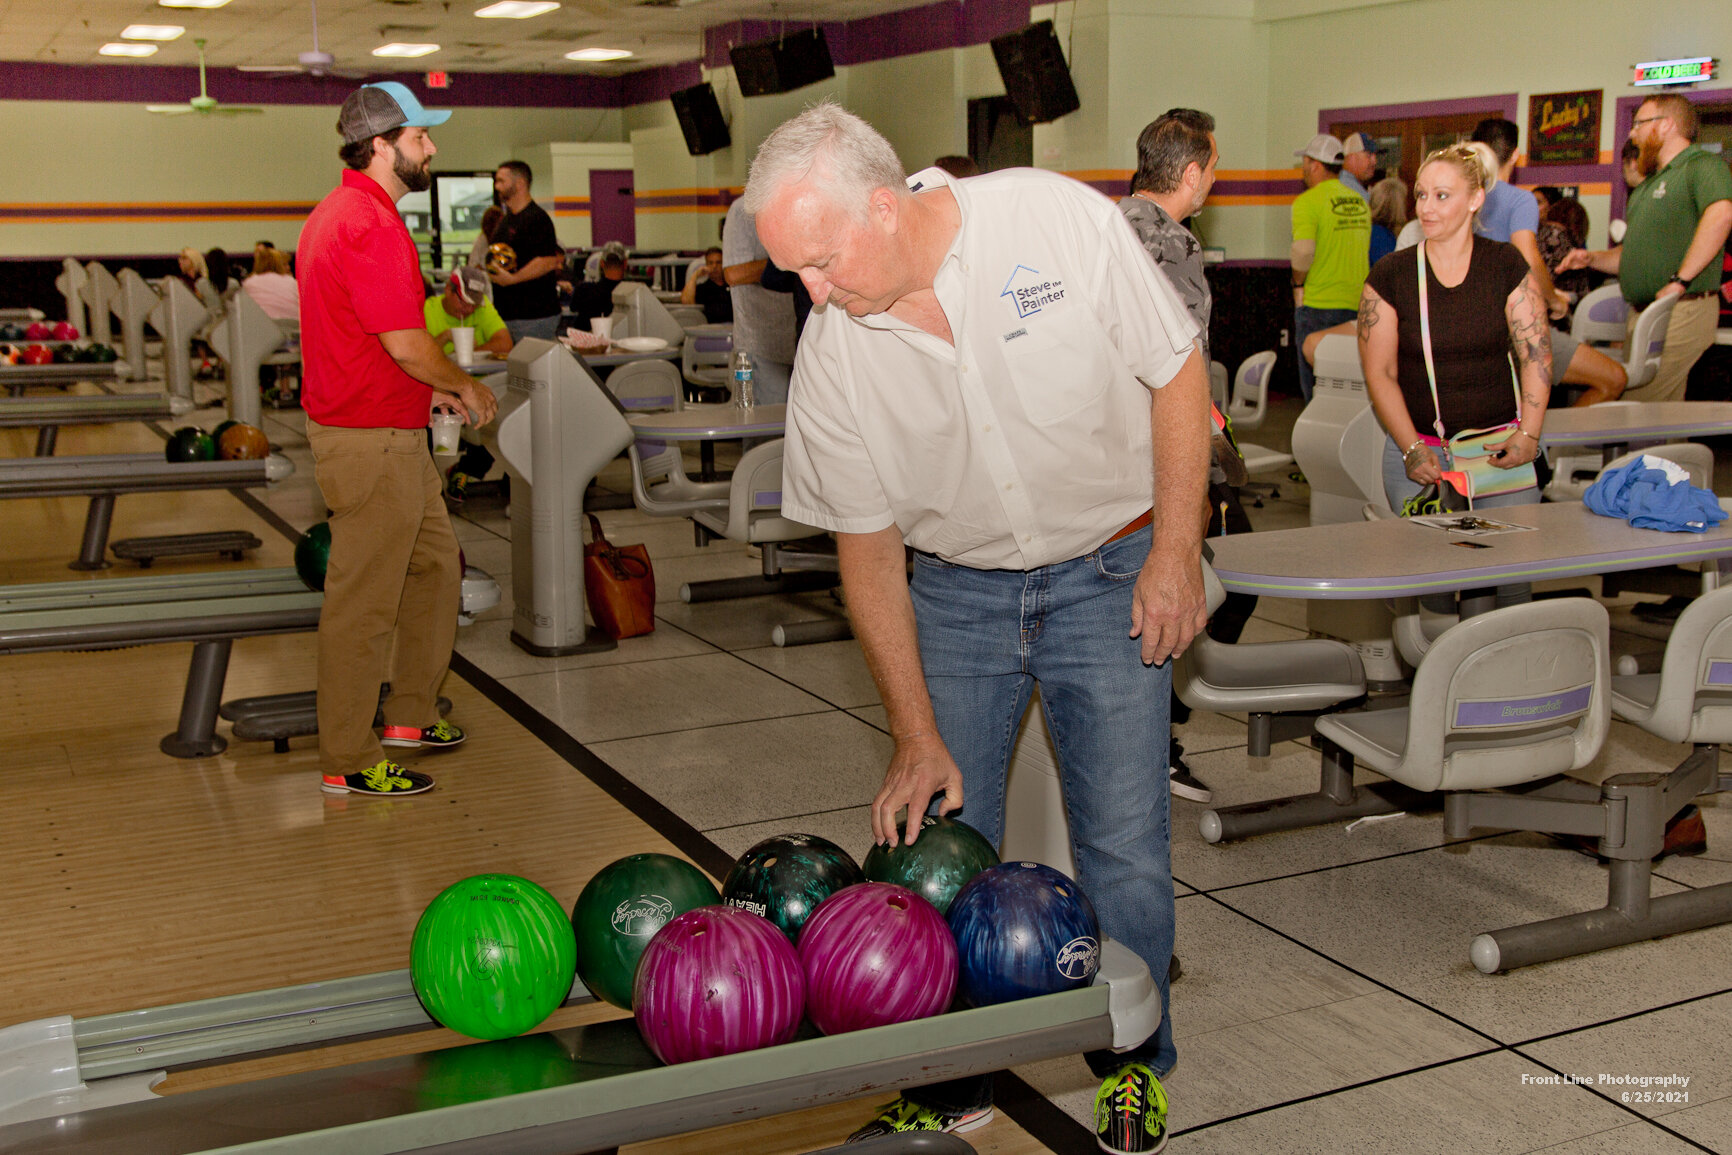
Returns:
(1027, 443)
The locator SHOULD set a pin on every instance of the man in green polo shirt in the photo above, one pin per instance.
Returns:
(466, 301)
(1679, 218)
(1331, 247)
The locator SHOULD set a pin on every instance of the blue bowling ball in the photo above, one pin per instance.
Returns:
(1023, 929)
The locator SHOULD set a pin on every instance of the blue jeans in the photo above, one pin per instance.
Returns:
(544, 327)
(986, 638)
(1307, 321)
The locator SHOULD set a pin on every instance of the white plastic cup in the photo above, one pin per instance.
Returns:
(446, 429)
(602, 327)
(463, 340)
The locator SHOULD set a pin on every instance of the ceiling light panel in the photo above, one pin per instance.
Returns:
(395, 49)
(598, 55)
(151, 32)
(516, 9)
(118, 49)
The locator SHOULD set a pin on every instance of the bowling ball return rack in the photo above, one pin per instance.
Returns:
(86, 1085)
(47, 414)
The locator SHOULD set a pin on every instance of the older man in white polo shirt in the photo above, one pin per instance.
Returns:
(1002, 380)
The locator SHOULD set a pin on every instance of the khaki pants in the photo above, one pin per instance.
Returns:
(1688, 336)
(392, 588)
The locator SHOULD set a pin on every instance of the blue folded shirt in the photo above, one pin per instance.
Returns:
(1646, 494)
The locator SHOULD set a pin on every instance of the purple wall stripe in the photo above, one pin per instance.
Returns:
(1505, 103)
(653, 84)
(948, 24)
(1259, 188)
(1562, 174)
(1523, 711)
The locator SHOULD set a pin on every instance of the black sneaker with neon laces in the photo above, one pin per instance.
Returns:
(383, 778)
(906, 1115)
(1131, 1112)
(439, 735)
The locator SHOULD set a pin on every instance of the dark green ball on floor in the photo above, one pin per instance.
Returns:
(313, 554)
(190, 443)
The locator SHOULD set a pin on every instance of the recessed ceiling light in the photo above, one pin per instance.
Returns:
(515, 9)
(596, 55)
(192, 3)
(118, 49)
(405, 49)
(151, 32)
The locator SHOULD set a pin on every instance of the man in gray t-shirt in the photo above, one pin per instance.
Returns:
(763, 321)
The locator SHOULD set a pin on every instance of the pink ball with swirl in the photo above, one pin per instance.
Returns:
(875, 953)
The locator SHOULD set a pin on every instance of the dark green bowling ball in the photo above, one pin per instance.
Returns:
(785, 878)
(313, 554)
(103, 354)
(620, 911)
(942, 860)
(223, 427)
(11, 332)
(190, 443)
(65, 354)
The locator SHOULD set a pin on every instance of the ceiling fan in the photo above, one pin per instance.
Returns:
(203, 102)
(314, 63)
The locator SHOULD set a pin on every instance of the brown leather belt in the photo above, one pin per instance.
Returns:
(1147, 517)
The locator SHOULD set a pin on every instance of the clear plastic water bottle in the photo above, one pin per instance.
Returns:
(745, 396)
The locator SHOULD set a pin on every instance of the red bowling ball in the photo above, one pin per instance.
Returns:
(36, 355)
(876, 954)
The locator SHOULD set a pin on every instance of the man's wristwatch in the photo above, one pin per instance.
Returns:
(1678, 279)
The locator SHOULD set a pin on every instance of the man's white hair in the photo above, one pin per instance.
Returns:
(851, 158)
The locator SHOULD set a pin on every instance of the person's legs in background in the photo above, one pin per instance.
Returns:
(1689, 334)
(1307, 321)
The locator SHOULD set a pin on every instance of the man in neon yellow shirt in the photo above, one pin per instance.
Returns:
(1331, 247)
(465, 301)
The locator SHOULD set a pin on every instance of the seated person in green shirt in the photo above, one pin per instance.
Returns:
(467, 301)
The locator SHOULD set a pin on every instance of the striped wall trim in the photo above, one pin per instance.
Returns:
(60, 213)
(1233, 187)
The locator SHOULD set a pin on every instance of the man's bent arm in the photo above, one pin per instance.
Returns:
(418, 355)
(746, 273)
(875, 581)
(1709, 242)
(1169, 607)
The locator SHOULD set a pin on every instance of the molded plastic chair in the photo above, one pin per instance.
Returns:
(752, 515)
(660, 487)
(1575, 474)
(643, 386)
(1642, 355)
(1689, 700)
(1599, 318)
(1502, 699)
(1250, 401)
(704, 359)
(1279, 684)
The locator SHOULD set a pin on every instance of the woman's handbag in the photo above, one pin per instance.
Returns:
(1473, 472)
(620, 585)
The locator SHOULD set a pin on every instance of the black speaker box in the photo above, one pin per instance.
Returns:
(1035, 76)
(783, 64)
(700, 119)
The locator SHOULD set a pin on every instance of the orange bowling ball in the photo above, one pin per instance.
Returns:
(243, 443)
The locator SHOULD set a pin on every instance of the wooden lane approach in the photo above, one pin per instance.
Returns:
(584, 1089)
(210, 610)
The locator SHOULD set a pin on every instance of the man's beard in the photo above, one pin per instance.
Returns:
(1648, 160)
(415, 179)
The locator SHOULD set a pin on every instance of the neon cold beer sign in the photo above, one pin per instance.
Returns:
(1694, 70)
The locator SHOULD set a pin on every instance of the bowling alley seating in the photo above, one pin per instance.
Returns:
(1502, 701)
(1600, 314)
(210, 610)
(704, 360)
(1280, 685)
(643, 386)
(1686, 702)
(1247, 407)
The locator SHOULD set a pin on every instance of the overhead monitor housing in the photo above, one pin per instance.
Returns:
(701, 120)
(783, 64)
(1035, 75)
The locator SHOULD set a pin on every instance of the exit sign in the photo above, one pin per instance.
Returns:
(1691, 71)
(438, 80)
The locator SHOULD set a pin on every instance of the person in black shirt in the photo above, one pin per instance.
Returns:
(528, 297)
(708, 289)
(590, 299)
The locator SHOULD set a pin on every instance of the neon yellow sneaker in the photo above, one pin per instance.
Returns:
(1131, 1112)
(383, 778)
(440, 735)
(906, 1115)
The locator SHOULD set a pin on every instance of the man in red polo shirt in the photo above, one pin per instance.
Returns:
(371, 375)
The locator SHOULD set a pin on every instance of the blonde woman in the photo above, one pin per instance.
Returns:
(1484, 309)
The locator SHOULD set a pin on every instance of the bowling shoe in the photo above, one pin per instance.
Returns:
(906, 1115)
(1131, 1112)
(439, 735)
(384, 778)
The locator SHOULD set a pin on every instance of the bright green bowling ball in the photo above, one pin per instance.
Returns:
(620, 911)
(492, 956)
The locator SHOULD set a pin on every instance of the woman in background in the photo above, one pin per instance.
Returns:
(1388, 213)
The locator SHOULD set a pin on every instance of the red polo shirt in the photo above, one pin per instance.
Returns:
(359, 276)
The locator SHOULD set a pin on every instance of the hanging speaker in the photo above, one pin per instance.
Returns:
(1035, 75)
(700, 119)
(783, 64)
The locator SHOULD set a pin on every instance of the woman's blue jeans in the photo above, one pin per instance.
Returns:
(986, 638)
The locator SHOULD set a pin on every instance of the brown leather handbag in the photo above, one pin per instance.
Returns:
(619, 584)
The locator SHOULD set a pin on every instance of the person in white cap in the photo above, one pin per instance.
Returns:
(371, 376)
(1331, 248)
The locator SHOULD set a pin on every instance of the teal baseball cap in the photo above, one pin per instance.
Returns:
(376, 108)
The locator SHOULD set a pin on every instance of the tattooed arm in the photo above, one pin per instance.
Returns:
(1530, 338)
(1379, 355)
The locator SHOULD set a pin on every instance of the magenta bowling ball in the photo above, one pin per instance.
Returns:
(716, 981)
(876, 954)
(65, 331)
(39, 331)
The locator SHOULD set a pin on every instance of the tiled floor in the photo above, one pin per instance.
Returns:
(1327, 1001)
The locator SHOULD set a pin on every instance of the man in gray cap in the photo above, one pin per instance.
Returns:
(1331, 248)
(371, 374)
